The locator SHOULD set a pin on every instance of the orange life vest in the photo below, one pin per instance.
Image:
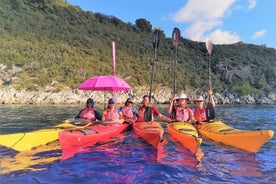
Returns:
(200, 114)
(88, 113)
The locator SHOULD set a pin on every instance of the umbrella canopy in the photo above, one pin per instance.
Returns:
(105, 83)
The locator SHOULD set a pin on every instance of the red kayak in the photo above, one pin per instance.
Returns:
(91, 134)
(152, 132)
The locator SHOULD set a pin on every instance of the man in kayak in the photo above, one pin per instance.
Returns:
(111, 113)
(89, 113)
(147, 111)
(182, 112)
(200, 112)
(128, 112)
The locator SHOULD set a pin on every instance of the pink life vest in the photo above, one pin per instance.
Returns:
(111, 114)
(127, 112)
(183, 114)
(88, 113)
(200, 114)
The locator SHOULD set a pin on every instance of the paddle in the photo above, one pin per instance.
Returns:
(210, 110)
(76, 123)
(175, 37)
(155, 43)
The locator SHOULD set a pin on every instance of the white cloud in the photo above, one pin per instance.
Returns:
(206, 16)
(252, 4)
(198, 10)
(223, 37)
(197, 30)
(259, 34)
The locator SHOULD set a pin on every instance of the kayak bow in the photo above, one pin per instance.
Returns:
(249, 140)
(186, 134)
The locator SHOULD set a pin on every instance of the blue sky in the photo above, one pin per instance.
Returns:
(221, 21)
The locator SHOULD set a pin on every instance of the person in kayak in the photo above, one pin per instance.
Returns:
(182, 112)
(200, 112)
(128, 112)
(111, 113)
(89, 113)
(147, 111)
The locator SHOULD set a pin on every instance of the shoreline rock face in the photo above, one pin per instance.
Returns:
(160, 95)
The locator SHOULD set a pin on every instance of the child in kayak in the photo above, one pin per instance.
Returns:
(89, 113)
(147, 111)
(111, 113)
(182, 112)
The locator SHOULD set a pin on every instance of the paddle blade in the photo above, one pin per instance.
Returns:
(156, 39)
(148, 114)
(175, 37)
(209, 46)
(210, 111)
(173, 114)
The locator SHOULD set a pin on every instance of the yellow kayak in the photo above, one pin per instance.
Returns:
(28, 140)
(186, 134)
(249, 140)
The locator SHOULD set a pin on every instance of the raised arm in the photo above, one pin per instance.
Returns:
(210, 93)
(171, 105)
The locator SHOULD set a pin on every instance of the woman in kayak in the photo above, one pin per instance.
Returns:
(128, 112)
(147, 111)
(200, 112)
(182, 112)
(111, 113)
(89, 113)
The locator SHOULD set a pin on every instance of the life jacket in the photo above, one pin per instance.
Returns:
(111, 114)
(145, 114)
(183, 114)
(88, 113)
(200, 114)
(127, 112)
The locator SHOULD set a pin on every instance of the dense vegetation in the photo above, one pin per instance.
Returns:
(54, 41)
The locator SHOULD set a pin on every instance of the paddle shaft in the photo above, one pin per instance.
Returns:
(152, 73)
(209, 71)
(174, 72)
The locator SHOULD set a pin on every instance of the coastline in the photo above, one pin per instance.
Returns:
(160, 95)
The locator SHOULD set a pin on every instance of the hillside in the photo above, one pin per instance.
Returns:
(52, 42)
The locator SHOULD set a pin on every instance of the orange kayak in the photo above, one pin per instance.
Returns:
(186, 134)
(151, 131)
(249, 140)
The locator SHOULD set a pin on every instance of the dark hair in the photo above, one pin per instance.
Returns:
(146, 96)
(90, 100)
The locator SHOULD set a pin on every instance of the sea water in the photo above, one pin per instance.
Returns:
(129, 159)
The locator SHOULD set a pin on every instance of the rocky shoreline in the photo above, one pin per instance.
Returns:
(161, 95)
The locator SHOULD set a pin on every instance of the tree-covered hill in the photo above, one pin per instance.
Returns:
(51, 40)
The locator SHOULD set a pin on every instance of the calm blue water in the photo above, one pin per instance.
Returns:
(128, 159)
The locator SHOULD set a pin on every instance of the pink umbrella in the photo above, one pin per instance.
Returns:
(105, 83)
